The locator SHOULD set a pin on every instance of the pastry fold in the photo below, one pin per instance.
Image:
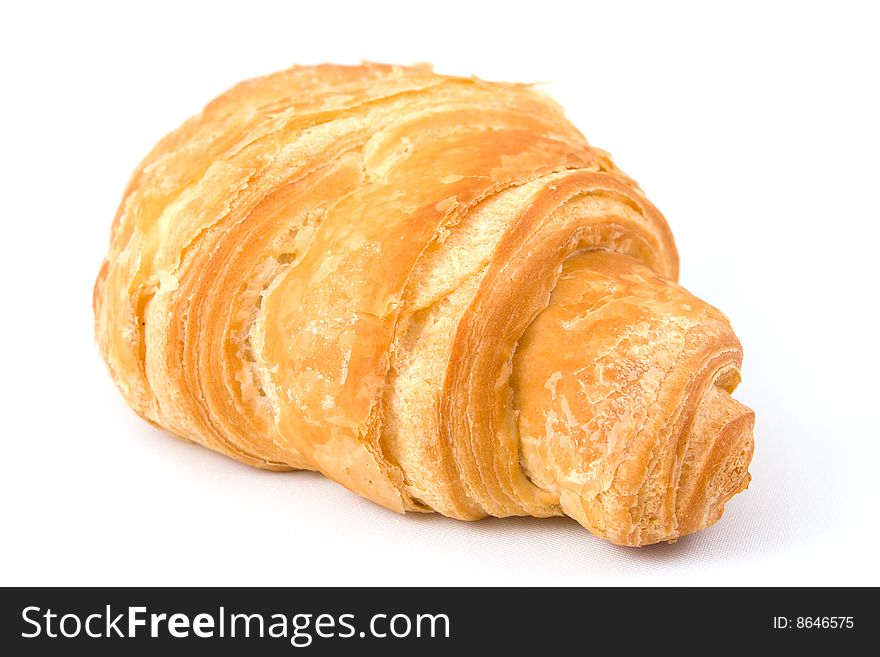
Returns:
(432, 290)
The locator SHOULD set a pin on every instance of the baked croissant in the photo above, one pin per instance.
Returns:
(432, 290)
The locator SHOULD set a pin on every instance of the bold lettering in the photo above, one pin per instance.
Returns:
(178, 625)
(134, 621)
(203, 626)
(154, 623)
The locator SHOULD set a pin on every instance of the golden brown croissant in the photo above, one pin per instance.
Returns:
(434, 291)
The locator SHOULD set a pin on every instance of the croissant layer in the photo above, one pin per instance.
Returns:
(432, 290)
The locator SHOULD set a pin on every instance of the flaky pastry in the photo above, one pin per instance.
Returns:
(432, 290)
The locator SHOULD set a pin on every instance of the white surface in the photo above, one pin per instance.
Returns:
(755, 130)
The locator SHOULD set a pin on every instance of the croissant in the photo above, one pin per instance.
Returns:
(432, 290)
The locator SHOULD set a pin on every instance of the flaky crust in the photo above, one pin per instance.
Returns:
(434, 291)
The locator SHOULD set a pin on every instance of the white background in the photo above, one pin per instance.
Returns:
(754, 129)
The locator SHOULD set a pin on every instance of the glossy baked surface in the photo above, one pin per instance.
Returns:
(434, 291)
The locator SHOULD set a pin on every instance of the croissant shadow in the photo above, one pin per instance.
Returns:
(559, 538)
(721, 543)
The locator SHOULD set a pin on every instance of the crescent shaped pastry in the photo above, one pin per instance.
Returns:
(432, 290)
